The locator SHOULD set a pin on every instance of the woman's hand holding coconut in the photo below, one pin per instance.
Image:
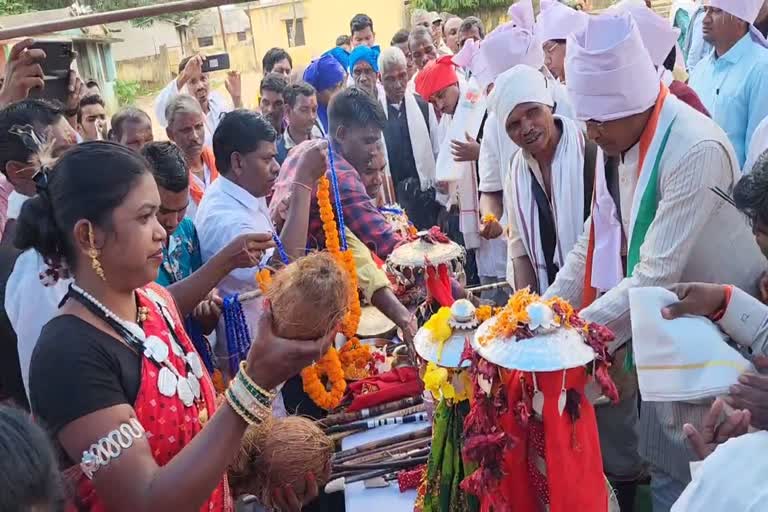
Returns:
(273, 360)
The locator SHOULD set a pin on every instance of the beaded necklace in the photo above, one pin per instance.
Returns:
(170, 381)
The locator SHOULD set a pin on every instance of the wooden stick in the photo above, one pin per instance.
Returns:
(391, 464)
(102, 18)
(337, 484)
(383, 454)
(394, 448)
(386, 450)
(347, 417)
(379, 422)
(381, 443)
(338, 436)
(380, 457)
(487, 287)
(342, 427)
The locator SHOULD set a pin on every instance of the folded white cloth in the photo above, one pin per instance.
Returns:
(682, 359)
(730, 479)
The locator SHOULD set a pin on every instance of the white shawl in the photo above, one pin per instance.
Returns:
(462, 176)
(567, 200)
(421, 143)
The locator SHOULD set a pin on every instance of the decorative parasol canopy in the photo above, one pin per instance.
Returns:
(429, 248)
(548, 351)
(460, 323)
(534, 335)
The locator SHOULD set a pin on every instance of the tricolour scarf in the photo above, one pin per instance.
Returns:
(604, 268)
(567, 200)
(196, 192)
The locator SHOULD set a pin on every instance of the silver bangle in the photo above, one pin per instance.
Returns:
(110, 447)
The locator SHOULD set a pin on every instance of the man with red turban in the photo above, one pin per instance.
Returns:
(438, 83)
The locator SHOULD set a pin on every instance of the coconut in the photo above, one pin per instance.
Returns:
(309, 297)
(281, 451)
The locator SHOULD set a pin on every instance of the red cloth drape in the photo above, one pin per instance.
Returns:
(394, 385)
(574, 468)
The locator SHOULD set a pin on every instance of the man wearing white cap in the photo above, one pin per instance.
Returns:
(655, 220)
(555, 23)
(507, 46)
(732, 80)
(549, 186)
(659, 38)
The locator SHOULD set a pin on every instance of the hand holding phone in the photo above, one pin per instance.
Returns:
(217, 62)
(57, 70)
(23, 72)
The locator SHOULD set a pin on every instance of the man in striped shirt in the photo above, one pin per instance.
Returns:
(657, 222)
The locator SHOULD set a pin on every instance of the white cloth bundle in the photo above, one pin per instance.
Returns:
(731, 479)
(682, 359)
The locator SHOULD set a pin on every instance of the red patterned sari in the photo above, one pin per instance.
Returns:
(168, 423)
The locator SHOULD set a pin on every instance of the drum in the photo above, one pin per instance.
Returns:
(373, 324)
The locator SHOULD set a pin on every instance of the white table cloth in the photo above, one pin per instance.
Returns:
(387, 499)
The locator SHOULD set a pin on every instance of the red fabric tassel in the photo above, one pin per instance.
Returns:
(439, 286)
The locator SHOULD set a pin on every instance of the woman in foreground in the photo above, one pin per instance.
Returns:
(114, 377)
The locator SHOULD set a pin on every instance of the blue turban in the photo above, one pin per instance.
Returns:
(324, 73)
(341, 55)
(369, 55)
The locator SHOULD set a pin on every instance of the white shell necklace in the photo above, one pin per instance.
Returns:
(170, 382)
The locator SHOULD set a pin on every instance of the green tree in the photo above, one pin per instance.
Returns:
(14, 6)
(461, 7)
(182, 21)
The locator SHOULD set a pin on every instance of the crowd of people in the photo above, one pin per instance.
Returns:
(580, 155)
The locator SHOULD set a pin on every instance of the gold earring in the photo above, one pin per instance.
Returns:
(94, 254)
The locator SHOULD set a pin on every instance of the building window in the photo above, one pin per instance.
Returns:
(295, 37)
(241, 36)
(203, 42)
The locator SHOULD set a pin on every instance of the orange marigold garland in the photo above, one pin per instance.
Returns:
(355, 359)
(264, 279)
(331, 365)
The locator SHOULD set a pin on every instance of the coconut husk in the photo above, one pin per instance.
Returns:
(281, 451)
(309, 297)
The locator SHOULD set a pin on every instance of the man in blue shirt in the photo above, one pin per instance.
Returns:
(731, 81)
(695, 47)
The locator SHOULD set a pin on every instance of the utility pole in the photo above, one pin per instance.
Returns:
(224, 32)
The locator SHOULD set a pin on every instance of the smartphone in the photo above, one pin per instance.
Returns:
(216, 62)
(57, 66)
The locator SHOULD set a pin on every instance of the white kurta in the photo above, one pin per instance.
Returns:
(217, 106)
